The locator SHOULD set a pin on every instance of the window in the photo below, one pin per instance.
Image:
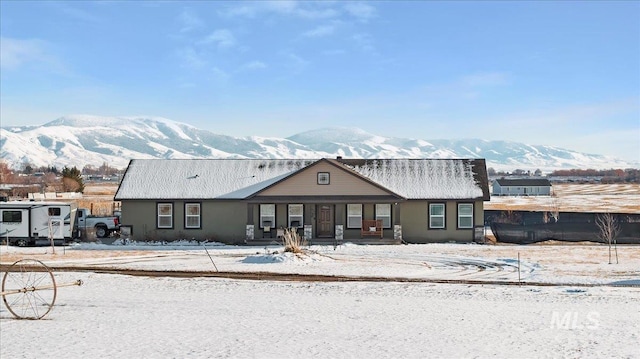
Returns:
(165, 215)
(383, 212)
(295, 215)
(11, 216)
(465, 215)
(192, 215)
(54, 211)
(323, 177)
(354, 216)
(436, 215)
(267, 215)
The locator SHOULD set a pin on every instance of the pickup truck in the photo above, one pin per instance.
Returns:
(103, 226)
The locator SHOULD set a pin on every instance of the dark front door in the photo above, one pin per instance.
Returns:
(325, 220)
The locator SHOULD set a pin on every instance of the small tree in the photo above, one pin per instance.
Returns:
(6, 175)
(609, 230)
(72, 180)
(554, 209)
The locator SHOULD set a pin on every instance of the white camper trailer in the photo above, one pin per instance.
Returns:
(25, 223)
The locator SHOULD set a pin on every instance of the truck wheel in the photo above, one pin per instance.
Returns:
(101, 231)
(22, 242)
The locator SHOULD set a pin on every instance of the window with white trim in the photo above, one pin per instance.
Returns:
(436, 215)
(165, 215)
(323, 177)
(296, 215)
(192, 215)
(267, 215)
(465, 215)
(383, 212)
(354, 216)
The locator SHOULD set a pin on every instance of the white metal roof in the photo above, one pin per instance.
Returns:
(240, 178)
(201, 178)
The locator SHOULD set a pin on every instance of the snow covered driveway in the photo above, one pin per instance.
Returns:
(162, 317)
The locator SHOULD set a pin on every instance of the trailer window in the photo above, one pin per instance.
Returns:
(11, 216)
(54, 211)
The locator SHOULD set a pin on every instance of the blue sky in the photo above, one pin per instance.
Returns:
(565, 74)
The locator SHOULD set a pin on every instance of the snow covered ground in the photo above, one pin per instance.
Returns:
(570, 304)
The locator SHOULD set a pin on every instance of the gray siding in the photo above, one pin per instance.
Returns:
(223, 221)
(415, 223)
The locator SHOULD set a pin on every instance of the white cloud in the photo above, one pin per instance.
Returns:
(291, 8)
(244, 10)
(361, 11)
(486, 79)
(220, 75)
(190, 21)
(297, 63)
(254, 65)
(16, 53)
(281, 6)
(223, 38)
(191, 58)
(81, 15)
(364, 41)
(334, 52)
(320, 31)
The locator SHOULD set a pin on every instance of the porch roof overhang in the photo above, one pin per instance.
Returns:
(325, 199)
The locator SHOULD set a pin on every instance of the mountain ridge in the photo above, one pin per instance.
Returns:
(96, 140)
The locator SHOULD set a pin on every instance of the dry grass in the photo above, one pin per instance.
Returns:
(292, 241)
(98, 197)
(614, 198)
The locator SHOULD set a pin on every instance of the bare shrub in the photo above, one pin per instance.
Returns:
(292, 241)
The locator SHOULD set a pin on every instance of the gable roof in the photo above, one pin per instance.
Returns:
(242, 178)
(426, 178)
(340, 167)
(524, 182)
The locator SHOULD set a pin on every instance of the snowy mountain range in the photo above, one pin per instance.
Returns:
(81, 140)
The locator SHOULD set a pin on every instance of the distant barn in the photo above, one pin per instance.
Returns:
(522, 187)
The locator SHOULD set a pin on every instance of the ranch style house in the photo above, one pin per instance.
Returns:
(250, 201)
(522, 187)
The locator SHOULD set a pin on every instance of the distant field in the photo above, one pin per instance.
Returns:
(614, 198)
(99, 198)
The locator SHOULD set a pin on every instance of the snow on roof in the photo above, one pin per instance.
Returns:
(240, 178)
(422, 178)
(202, 178)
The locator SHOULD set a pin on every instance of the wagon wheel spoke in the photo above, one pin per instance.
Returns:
(29, 289)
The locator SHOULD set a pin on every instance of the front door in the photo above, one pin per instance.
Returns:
(325, 221)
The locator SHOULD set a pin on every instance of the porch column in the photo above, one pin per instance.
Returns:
(250, 213)
(250, 231)
(397, 226)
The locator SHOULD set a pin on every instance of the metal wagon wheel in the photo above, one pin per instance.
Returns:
(29, 289)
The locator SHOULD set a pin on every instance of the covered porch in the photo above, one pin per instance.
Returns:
(324, 220)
